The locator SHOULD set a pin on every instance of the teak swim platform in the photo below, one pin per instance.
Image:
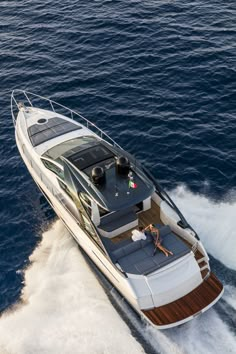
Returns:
(187, 306)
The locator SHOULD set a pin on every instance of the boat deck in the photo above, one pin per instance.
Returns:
(153, 216)
(150, 216)
(189, 305)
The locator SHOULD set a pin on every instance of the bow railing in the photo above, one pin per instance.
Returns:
(26, 98)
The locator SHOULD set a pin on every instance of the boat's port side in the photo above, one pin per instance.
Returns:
(118, 278)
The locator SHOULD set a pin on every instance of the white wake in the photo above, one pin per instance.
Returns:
(64, 310)
(206, 334)
(214, 223)
(230, 296)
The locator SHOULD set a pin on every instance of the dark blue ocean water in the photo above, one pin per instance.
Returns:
(158, 76)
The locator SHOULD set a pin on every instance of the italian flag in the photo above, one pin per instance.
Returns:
(132, 184)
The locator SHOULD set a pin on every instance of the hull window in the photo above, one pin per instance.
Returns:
(90, 230)
(86, 203)
(65, 189)
(52, 167)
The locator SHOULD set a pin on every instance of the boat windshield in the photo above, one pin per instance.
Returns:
(71, 145)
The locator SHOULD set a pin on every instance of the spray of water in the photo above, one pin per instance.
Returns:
(230, 296)
(214, 222)
(207, 334)
(64, 309)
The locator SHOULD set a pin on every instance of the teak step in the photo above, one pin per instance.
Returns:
(204, 272)
(202, 264)
(199, 256)
(204, 267)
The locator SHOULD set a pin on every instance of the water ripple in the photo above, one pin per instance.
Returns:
(159, 77)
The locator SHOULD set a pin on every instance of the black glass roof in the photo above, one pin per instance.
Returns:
(81, 154)
(92, 155)
(115, 193)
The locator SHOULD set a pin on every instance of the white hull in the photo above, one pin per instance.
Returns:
(108, 269)
(147, 294)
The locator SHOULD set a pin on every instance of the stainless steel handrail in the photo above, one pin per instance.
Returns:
(52, 103)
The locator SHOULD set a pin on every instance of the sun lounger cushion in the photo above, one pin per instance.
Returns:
(139, 258)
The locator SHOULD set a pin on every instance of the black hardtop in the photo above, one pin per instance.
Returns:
(117, 191)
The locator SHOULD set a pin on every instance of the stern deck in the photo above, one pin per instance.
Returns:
(192, 304)
(141, 257)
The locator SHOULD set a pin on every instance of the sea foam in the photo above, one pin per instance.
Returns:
(64, 309)
(206, 334)
(214, 223)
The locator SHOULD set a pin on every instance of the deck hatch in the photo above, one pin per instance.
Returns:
(90, 156)
(54, 127)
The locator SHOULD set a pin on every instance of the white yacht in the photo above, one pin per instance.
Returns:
(101, 193)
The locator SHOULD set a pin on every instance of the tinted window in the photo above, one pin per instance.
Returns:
(65, 188)
(52, 167)
(89, 228)
(86, 203)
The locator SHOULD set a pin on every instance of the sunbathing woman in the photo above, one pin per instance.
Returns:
(157, 240)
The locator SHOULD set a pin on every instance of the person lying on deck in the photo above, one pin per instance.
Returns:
(157, 240)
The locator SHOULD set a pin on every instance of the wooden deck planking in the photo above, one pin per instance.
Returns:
(202, 264)
(188, 305)
(124, 236)
(151, 216)
(204, 272)
(144, 219)
(198, 255)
